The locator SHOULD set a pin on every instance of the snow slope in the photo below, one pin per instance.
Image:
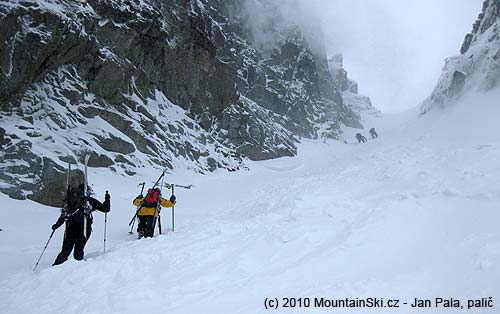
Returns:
(414, 213)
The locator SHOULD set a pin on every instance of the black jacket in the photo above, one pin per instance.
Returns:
(76, 217)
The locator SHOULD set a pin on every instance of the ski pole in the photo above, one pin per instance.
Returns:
(108, 198)
(132, 227)
(159, 223)
(132, 222)
(38, 261)
(105, 223)
(158, 209)
(173, 211)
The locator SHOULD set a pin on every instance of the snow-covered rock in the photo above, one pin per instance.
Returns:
(152, 83)
(360, 104)
(477, 69)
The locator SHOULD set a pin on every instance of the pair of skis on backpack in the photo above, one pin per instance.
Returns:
(76, 205)
(149, 207)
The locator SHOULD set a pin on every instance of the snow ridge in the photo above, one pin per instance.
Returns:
(477, 69)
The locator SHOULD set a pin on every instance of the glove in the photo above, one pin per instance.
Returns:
(54, 227)
(107, 202)
(172, 198)
(140, 196)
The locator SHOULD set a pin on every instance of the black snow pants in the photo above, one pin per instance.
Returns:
(74, 240)
(145, 226)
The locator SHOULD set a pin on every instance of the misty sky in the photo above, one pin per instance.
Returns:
(395, 49)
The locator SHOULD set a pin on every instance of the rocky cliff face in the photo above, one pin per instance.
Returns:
(143, 83)
(477, 69)
(360, 104)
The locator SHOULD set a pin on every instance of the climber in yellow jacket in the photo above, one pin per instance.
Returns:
(148, 210)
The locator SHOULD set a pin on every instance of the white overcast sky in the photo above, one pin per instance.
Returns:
(395, 49)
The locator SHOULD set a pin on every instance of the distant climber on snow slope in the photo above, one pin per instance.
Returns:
(360, 138)
(373, 133)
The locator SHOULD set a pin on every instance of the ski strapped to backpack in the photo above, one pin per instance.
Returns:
(142, 203)
(64, 207)
(171, 185)
(68, 177)
(138, 208)
(86, 182)
(157, 206)
(87, 210)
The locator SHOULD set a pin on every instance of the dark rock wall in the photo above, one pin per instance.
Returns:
(147, 83)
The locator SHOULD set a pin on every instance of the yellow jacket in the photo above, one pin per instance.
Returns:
(150, 211)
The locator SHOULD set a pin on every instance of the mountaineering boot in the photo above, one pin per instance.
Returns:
(140, 234)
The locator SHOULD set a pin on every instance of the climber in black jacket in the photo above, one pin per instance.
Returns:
(360, 138)
(78, 219)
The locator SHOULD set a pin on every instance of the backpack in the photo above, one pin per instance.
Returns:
(74, 201)
(152, 198)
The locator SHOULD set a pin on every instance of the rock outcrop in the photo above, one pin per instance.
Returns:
(151, 83)
(360, 104)
(477, 69)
